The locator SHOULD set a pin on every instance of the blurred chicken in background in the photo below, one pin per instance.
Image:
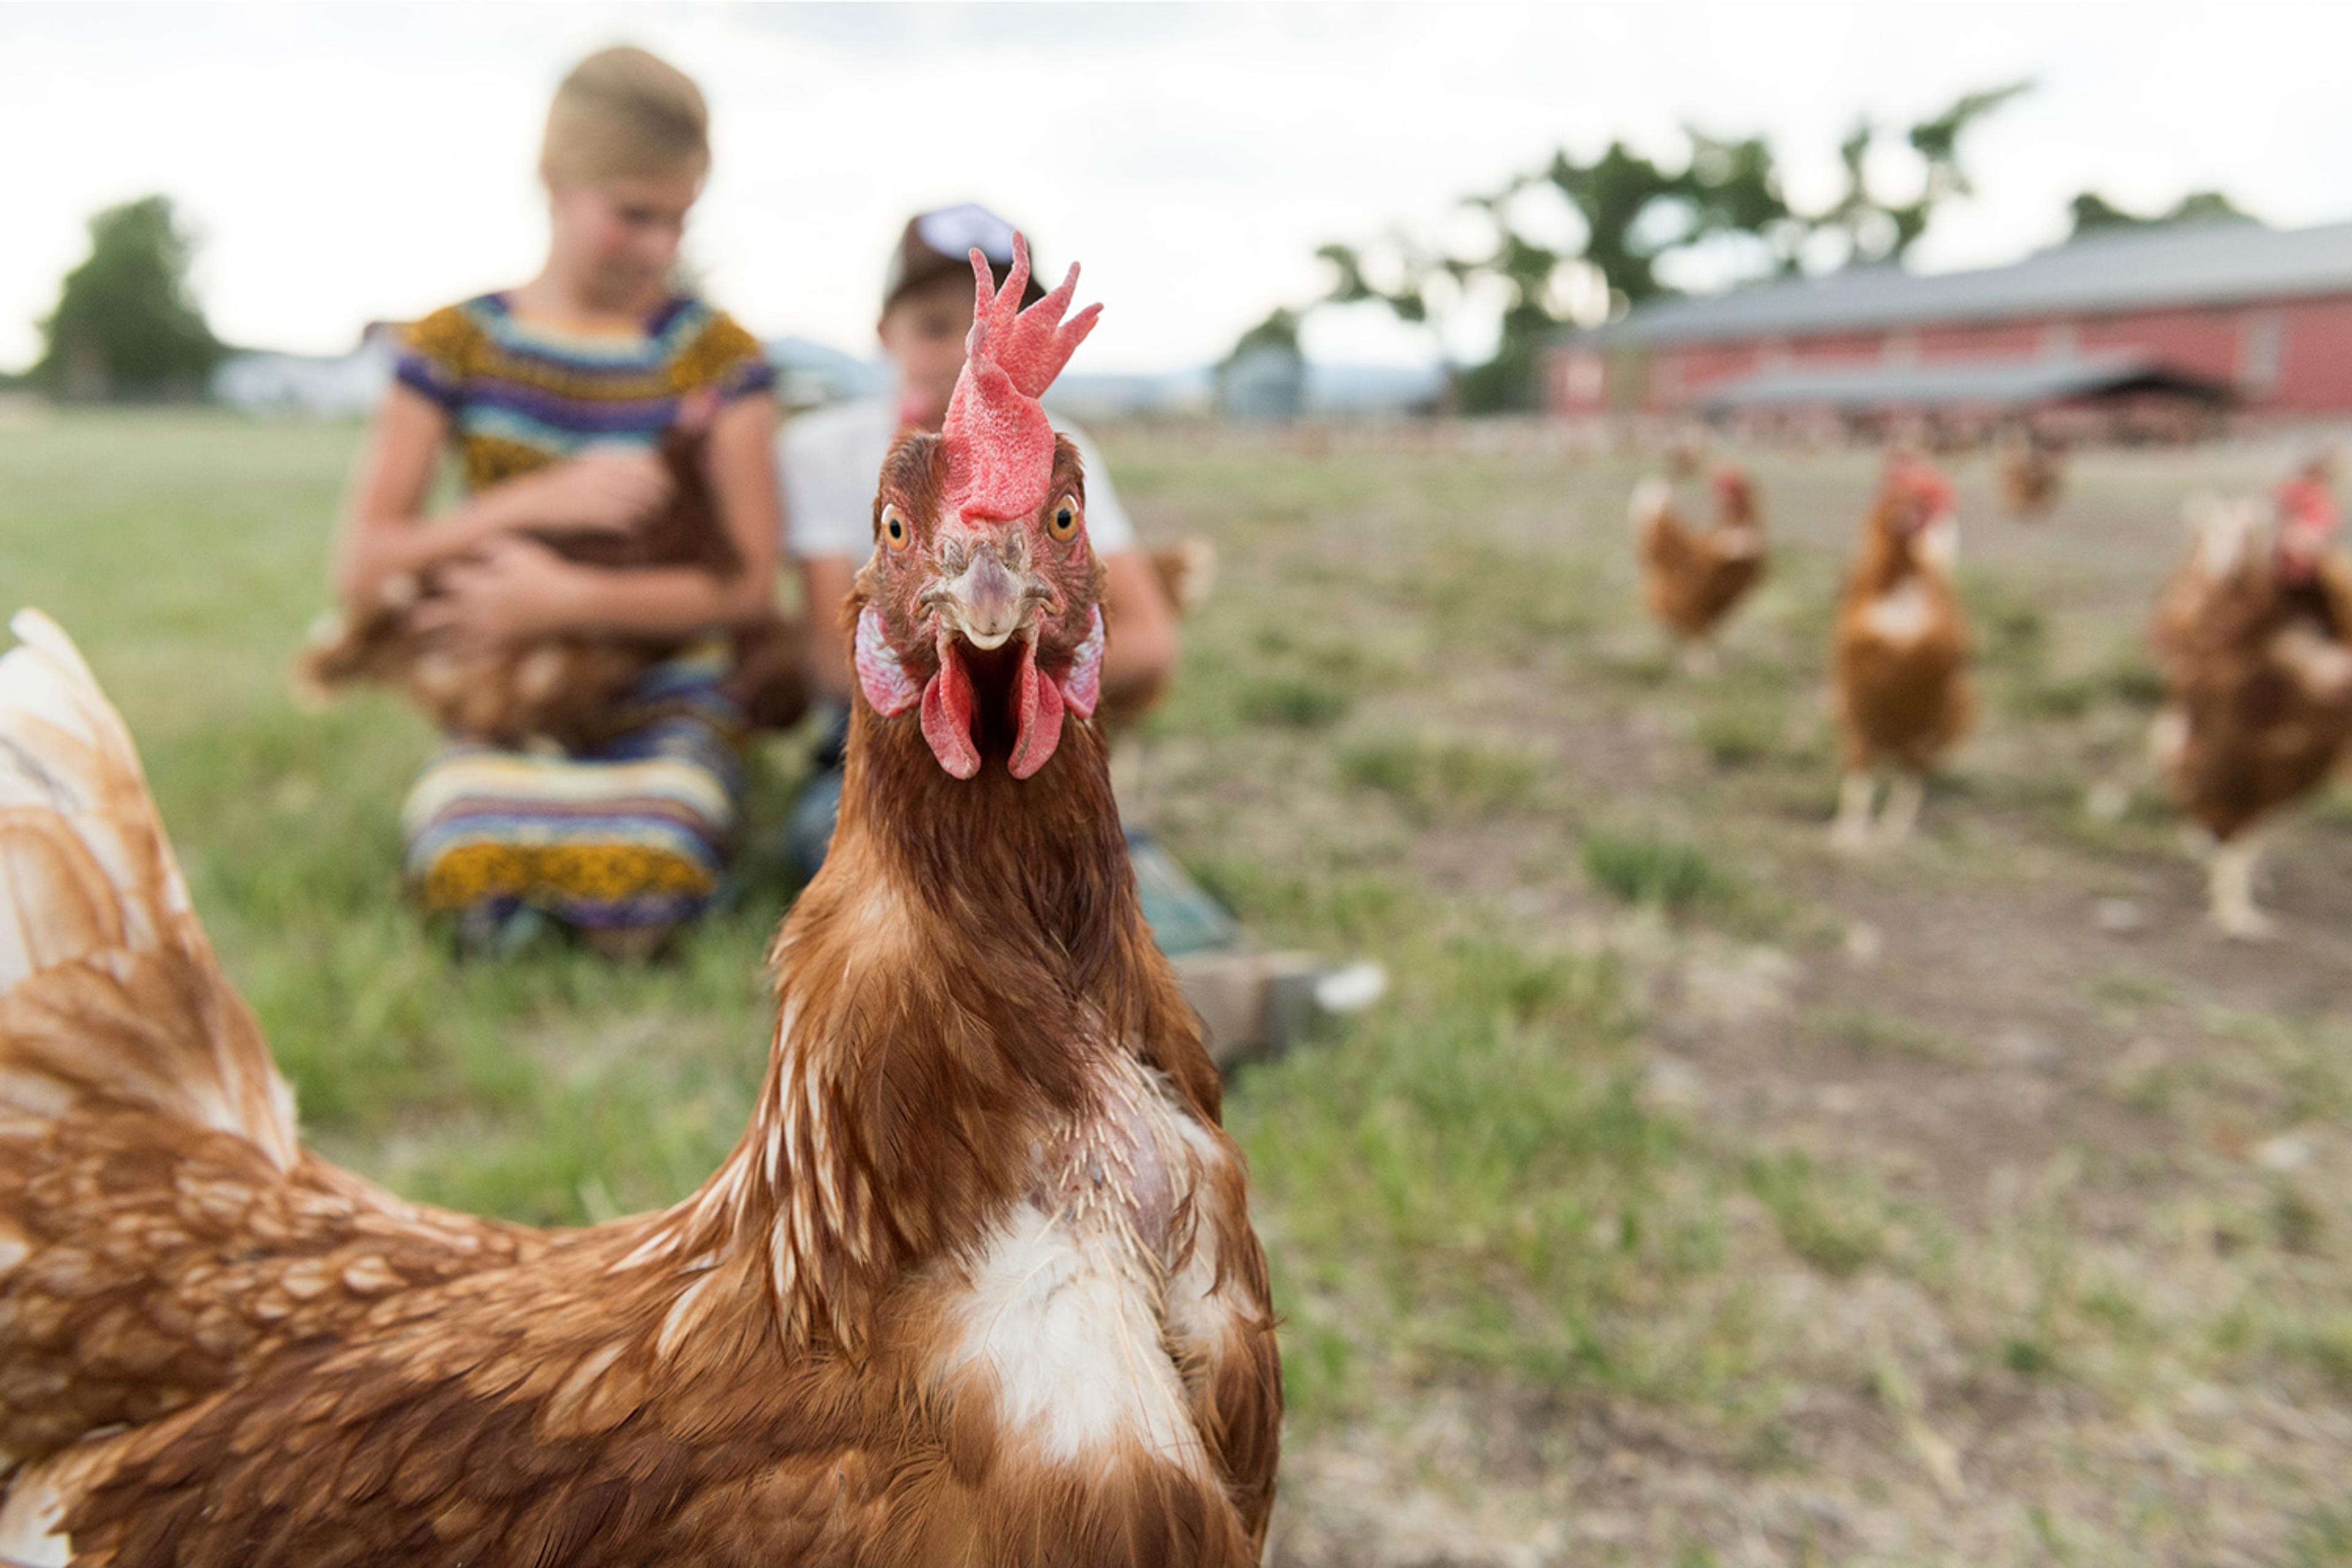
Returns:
(1692, 578)
(2031, 471)
(1902, 692)
(2254, 633)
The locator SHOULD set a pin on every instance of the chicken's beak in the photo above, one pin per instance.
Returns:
(984, 597)
(986, 601)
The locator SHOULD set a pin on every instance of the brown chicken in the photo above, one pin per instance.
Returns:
(1902, 692)
(1690, 579)
(2254, 633)
(557, 688)
(978, 1284)
(2030, 474)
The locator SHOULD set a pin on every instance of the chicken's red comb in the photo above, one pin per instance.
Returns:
(1920, 480)
(999, 445)
(2306, 504)
(1730, 476)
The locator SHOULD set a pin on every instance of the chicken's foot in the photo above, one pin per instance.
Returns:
(1902, 813)
(2230, 874)
(1856, 793)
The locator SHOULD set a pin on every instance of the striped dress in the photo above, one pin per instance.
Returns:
(633, 826)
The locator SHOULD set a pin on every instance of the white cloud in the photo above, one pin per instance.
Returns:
(353, 162)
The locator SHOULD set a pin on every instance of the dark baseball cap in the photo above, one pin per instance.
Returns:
(941, 242)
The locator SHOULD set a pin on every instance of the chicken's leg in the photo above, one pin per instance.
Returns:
(1856, 793)
(2231, 884)
(1902, 813)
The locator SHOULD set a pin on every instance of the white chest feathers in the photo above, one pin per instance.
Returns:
(1073, 1315)
(1739, 542)
(2320, 664)
(1903, 615)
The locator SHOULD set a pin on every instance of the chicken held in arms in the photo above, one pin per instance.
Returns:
(555, 688)
(1902, 680)
(1692, 579)
(2254, 633)
(976, 1285)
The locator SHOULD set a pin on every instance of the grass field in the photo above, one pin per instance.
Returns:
(1700, 1196)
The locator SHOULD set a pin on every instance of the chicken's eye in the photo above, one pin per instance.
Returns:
(895, 533)
(1065, 517)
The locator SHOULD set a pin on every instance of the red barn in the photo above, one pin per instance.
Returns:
(2209, 312)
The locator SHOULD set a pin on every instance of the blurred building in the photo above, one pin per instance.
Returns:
(1104, 395)
(2195, 315)
(809, 373)
(1374, 391)
(309, 386)
(1263, 384)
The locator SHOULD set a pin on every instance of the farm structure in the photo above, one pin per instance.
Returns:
(2146, 326)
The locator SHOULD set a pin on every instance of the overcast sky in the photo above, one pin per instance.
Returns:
(350, 161)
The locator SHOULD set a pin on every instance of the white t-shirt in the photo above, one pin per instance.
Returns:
(830, 459)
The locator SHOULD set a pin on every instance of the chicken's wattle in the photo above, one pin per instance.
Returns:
(1037, 727)
(948, 714)
(952, 720)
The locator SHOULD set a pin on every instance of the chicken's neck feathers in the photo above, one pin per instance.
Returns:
(948, 989)
(1887, 557)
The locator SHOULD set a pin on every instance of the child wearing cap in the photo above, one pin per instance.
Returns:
(554, 397)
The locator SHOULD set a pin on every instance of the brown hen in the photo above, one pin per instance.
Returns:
(2031, 474)
(1691, 579)
(1902, 692)
(978, 1284)
(2254, 634)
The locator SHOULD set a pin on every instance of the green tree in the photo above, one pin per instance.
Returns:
(1630, 213)
(125, 325)
(1633, 214)
(1874, 228)
(2094, 213)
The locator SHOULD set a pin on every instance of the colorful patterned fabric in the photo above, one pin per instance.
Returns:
(634, 830)
(521, 394)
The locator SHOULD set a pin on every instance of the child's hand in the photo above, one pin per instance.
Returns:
(514, 591)
(608, 487)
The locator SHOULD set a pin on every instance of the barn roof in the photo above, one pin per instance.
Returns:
(1995, 384)
(2188, 263)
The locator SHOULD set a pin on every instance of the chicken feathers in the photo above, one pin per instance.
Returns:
(1903, 699)
(1692, 579)
(960, 1294)
(978, 1283)
(557, 688)
(2253, 635)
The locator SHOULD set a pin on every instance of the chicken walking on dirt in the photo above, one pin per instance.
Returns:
(2254, 633)
(1902, 692)
(1692, 579)
(978, 1284)
(2031, 474)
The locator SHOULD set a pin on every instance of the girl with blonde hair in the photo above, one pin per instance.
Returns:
(554, 397)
